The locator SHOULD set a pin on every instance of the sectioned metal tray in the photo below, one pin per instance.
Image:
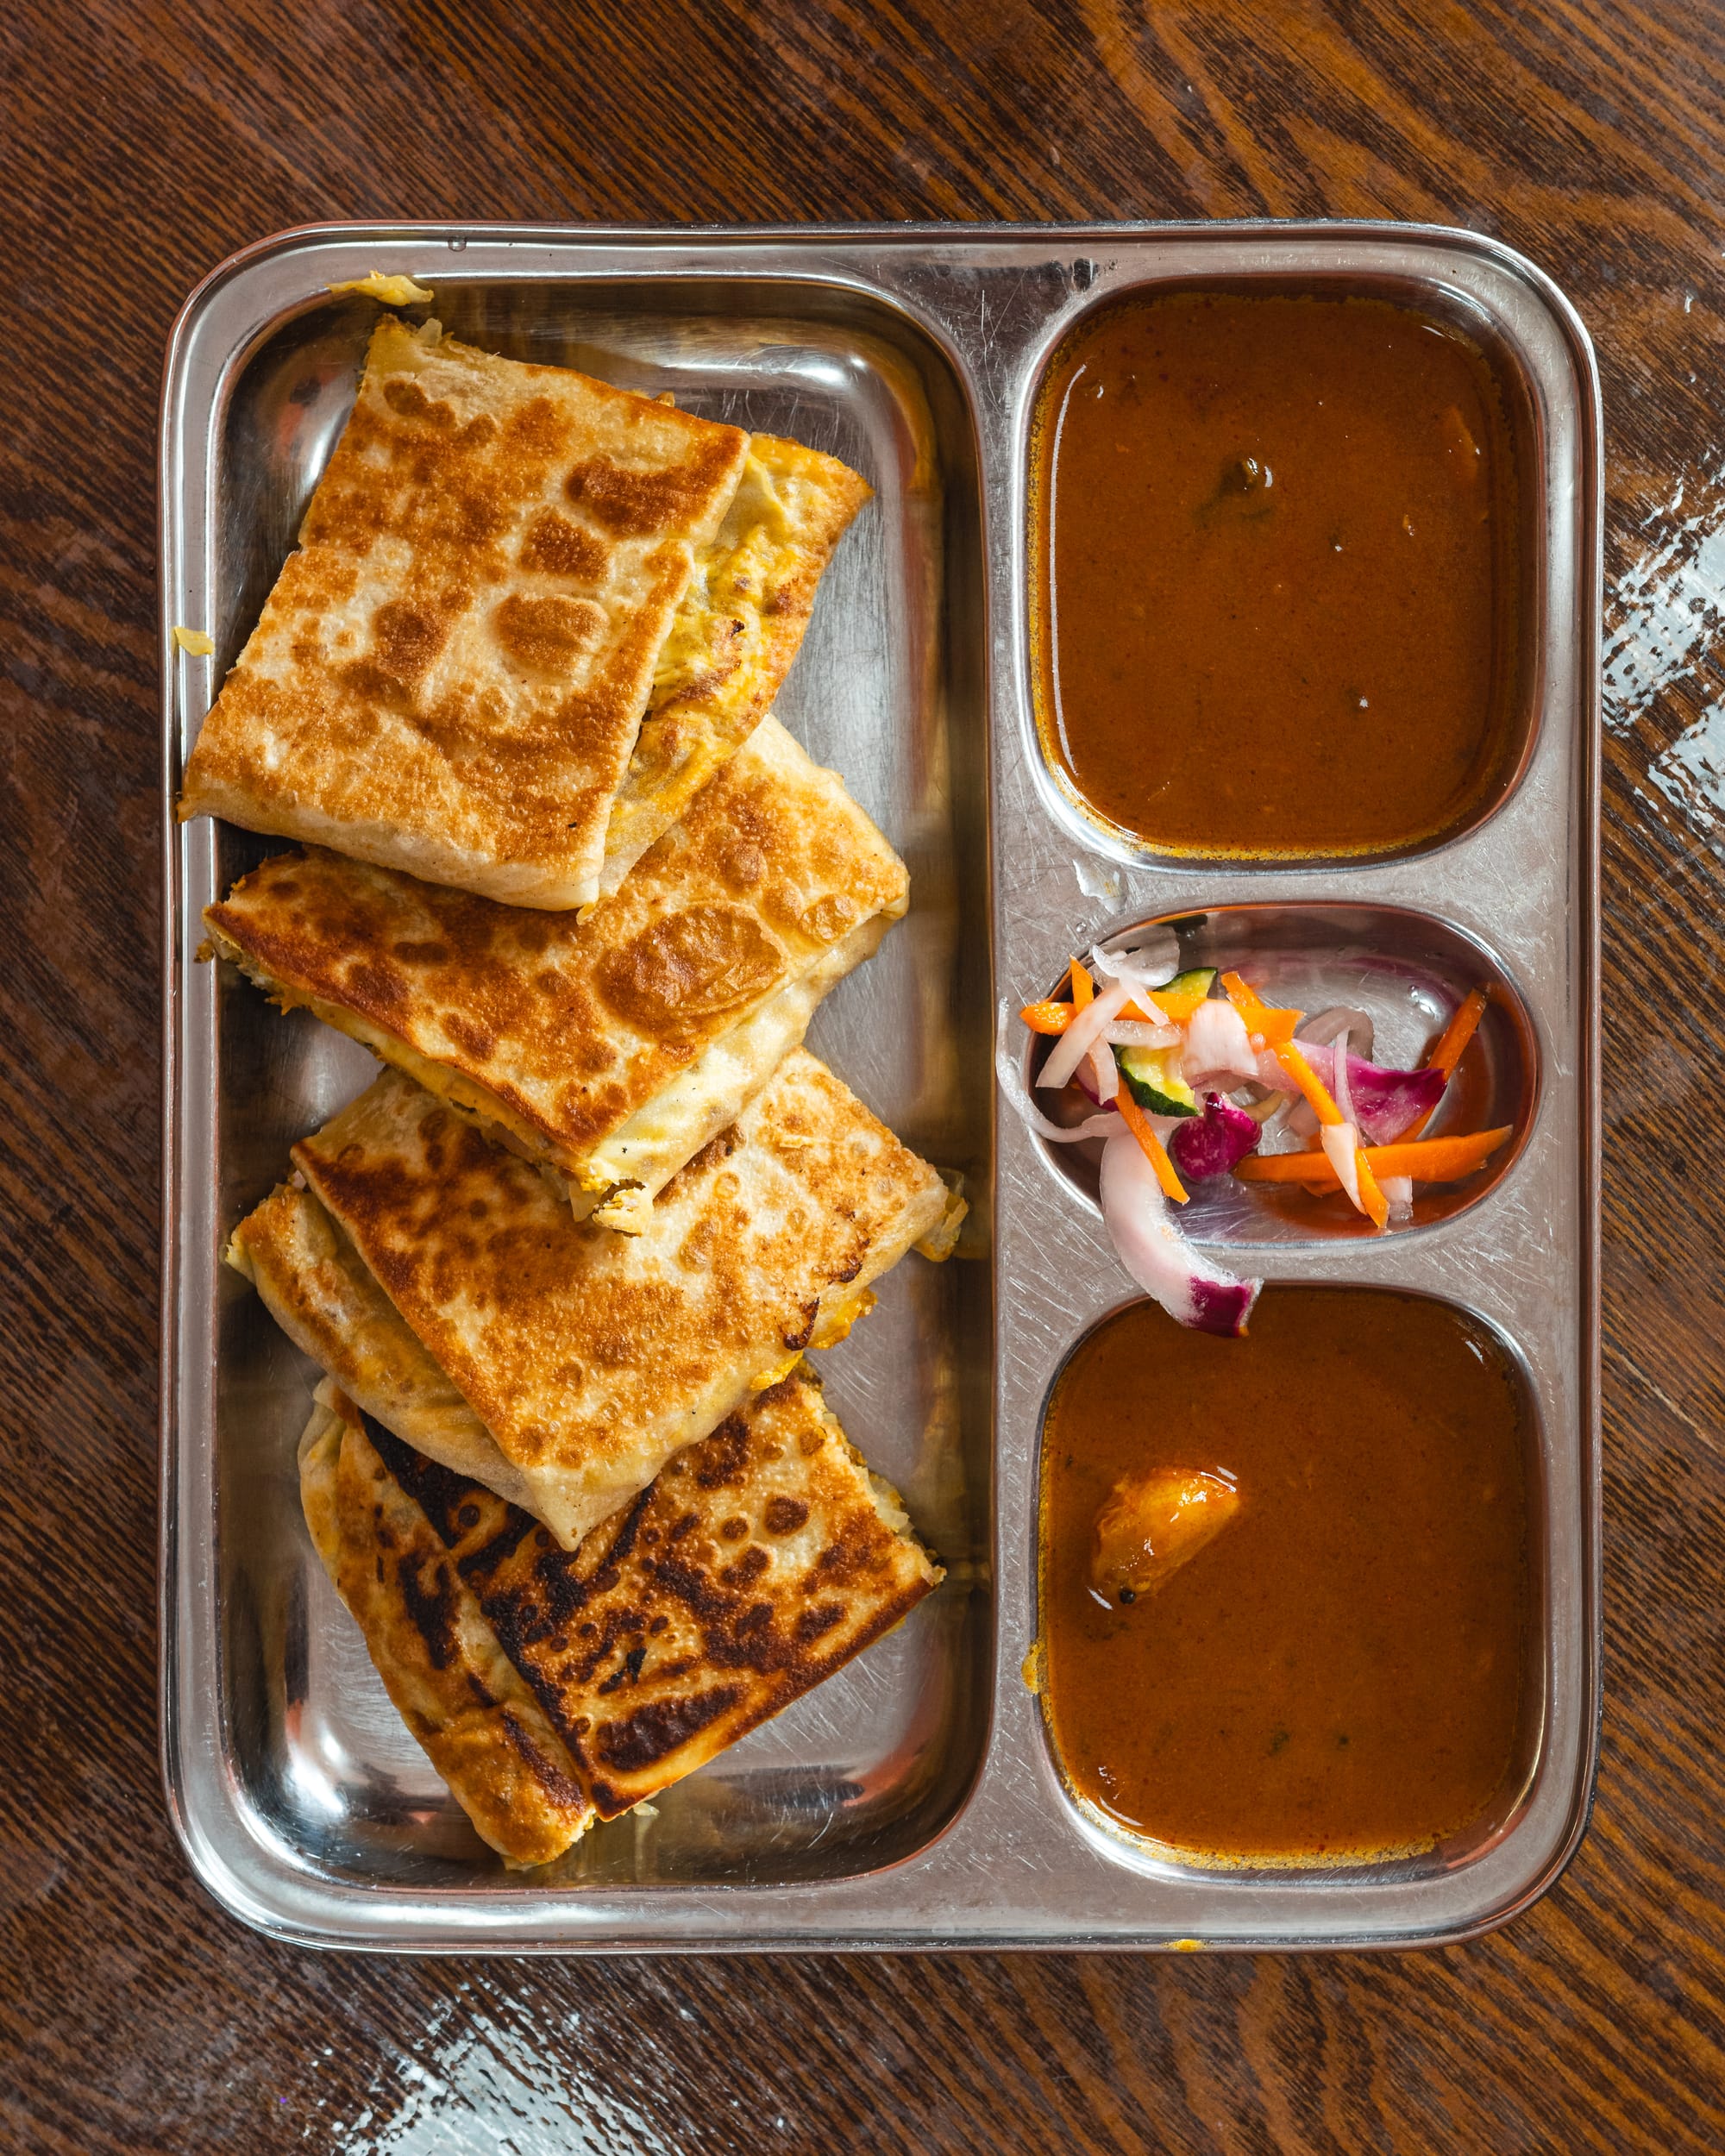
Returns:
(913, 1801)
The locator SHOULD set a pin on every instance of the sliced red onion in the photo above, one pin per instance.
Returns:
(1323, 1026)
(1104, 1069)
(1398, 1194)
(1133, 1033)
(1009, 1075)
(1341, 1141)
(1385, 1102)
(1075, 1044)
(1217, 1044)
(1105, 1125)
(1146, 1241)
(1338, 1076)
(1388, 1103)
(1150, 963)
(1212, 1144)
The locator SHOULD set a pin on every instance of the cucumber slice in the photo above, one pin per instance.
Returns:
(1194, 985)
(1155, 1086)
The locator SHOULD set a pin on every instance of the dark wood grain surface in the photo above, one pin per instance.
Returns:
(140, 143)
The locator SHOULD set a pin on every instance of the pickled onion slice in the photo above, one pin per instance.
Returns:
(1194, 1292)
(1085, 1030)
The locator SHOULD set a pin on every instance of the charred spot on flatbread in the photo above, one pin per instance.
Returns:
(762, 1560)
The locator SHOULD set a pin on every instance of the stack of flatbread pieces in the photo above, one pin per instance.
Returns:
(561, 870)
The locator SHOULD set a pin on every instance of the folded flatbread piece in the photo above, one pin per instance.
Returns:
(760, 1561)
(584, 1358)
(611, 1047)
(316, 1287)
(739, 626)
(450, 674)
(548, 1684)
(481, 1726)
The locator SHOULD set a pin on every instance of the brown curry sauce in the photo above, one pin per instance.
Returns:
(1338, 1673)
(1273, 588)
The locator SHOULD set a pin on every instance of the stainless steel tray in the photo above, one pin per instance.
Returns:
(912, 1802)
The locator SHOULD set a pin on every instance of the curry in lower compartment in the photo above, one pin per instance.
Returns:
(1284, 1578)
(1273, 588)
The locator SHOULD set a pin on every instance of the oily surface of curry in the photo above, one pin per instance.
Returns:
(1338, 1673)
(1273, 590)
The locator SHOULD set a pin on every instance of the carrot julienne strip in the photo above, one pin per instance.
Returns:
(1458, 1032)
(1176, 1009)
(1154, 1150)
(1308, 1082)
(1275, 1026)
(1451, 1046)
(1050, 1016)
(1430, 1160)
(1372, 1200)
(1083, 989)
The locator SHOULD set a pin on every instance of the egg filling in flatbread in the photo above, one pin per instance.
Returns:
(612, 1048)
(739, 626)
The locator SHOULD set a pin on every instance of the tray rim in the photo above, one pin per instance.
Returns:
(208, 1867)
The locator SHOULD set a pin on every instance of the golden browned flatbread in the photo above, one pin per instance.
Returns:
(316, 1287)
(480, 1725)
(612, 1047)
(740, 624)
(761, 1560)
(589, 1357)
(450, 674)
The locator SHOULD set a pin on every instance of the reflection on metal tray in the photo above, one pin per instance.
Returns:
(912, 1801)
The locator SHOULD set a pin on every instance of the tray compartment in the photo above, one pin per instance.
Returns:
(888, 690)
(1523, 556)
(1528, 1762)
(1408, 971)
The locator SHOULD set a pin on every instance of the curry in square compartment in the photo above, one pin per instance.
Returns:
(1284, 1578)
(1274, 579)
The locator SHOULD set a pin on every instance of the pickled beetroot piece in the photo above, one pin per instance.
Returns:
(1222, 1306)
(1210, 1143)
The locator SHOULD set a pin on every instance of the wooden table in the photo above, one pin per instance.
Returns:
(140, 146)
